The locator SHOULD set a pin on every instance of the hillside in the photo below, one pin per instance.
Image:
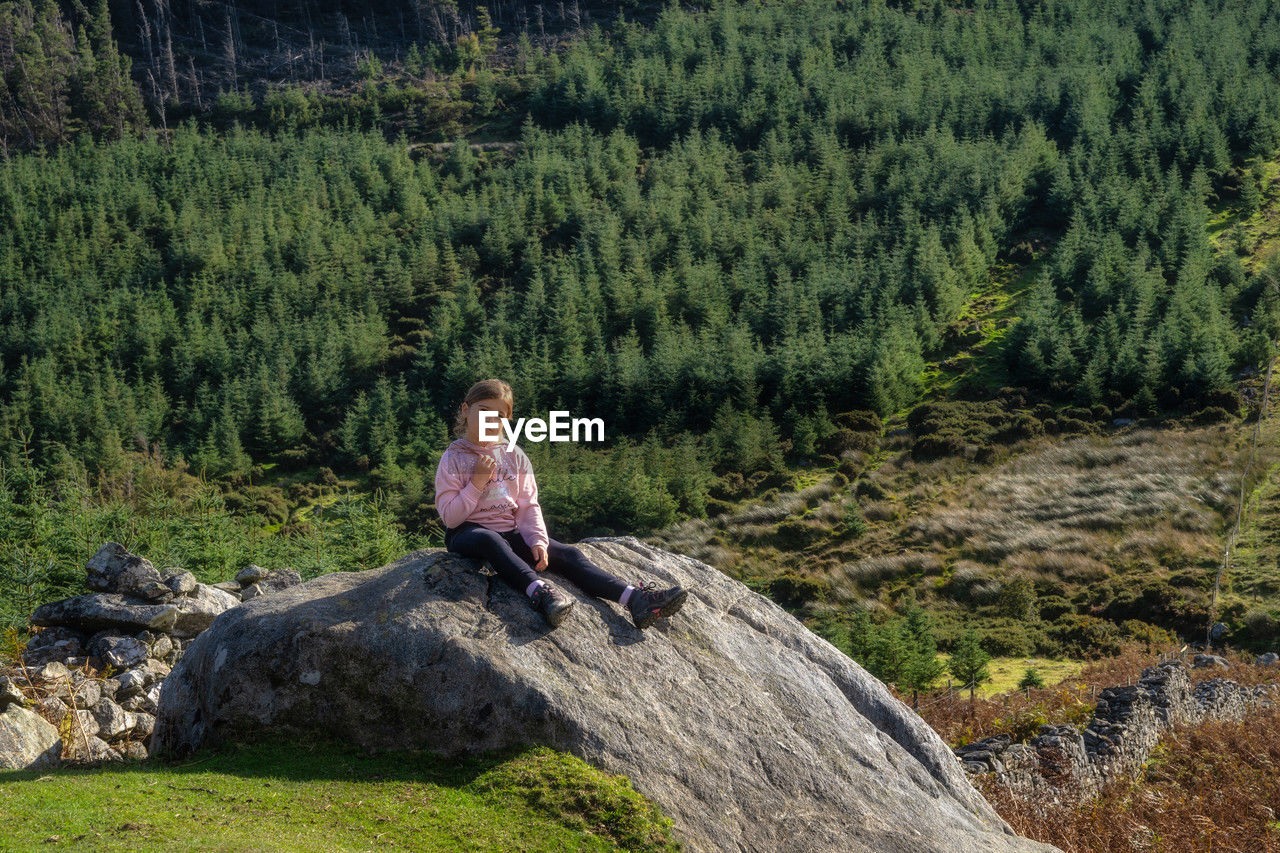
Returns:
(950, 312)
(1064, 530)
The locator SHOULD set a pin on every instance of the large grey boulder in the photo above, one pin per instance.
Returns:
(102, 610)
(27, 740)
(748, 730)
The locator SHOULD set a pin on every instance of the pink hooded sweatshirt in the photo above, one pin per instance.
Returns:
(508, 502)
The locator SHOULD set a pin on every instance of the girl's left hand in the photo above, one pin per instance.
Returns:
(540, 557)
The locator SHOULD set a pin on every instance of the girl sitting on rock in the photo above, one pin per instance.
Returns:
(488, 500)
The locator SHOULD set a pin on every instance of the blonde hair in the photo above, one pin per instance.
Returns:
(485, 389)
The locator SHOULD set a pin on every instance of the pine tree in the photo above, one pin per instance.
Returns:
(892, 653)
(923, 666)
(1031, 678)
(861, 638)
(968, 661)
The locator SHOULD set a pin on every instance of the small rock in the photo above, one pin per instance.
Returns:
(59, 651)
(99, 750)
(145, 701)
(114, 569)
(250, 575)
(157, 591)
(109, 687)
(157, 668)
(181, 582)
(10, 694)
(84, 721)
(134, 702)
(52, 644)
(88, 693)
(133, 751)
(198, 611)
(144, 725)
(161, 647)
(54, 671)
(229, 587)
(280, 579)
(120, 652)
(1203, 661)
(54, 709)
(113, 721)
(1267, 659)
(131, 682)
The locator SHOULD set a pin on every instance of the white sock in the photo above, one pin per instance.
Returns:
(532, 586)
(626, 595)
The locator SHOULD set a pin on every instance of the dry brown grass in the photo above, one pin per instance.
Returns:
(1213, 787)
(1075, 495)
(1021, 713)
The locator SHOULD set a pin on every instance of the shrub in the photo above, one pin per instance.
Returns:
(762, 481)
(729, 487)
(1081, 635)
(1054, 606)
(1151, 636)
(717, 508)
(1031, 678)
(854, 522)
(1006, 641)
(869, 489)
(1261, 628)
(793, 590)
(859, 421)
(1210, 415)
(796, 533)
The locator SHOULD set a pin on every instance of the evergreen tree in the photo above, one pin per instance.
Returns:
(1030, 678)
(924, 666)
(968, 661)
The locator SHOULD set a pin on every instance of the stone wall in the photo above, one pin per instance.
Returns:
(1064, 763)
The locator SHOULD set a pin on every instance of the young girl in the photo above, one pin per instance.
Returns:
(488, 501)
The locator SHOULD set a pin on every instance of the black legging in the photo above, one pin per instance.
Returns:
(512, 558)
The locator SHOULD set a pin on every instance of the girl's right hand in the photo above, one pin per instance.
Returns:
(485, 465)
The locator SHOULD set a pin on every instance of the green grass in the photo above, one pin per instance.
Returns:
(1007, 672)
(1259, 232)
(331, 798)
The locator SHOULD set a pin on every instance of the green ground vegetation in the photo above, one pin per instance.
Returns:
(321, 797)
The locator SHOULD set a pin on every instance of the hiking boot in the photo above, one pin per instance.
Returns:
(648, 604)
(553, 604)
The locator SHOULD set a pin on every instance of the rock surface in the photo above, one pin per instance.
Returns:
(751, 732)
(197, 611)
(100, 610)
(114, 569)
(27, 740)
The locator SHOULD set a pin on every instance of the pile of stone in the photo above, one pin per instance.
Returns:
(88, 684)
(1063, 763)
(253, 581)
